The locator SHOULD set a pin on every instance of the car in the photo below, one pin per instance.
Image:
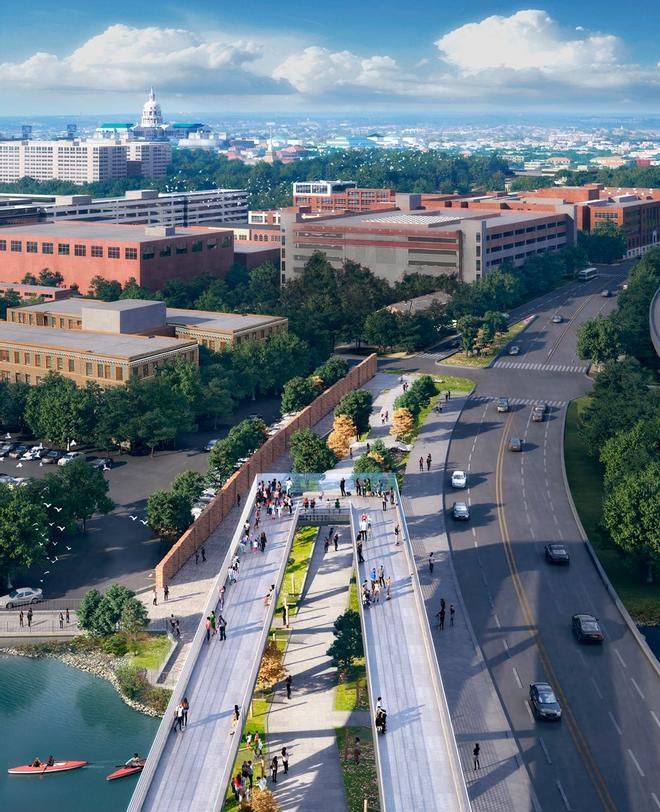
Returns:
(587, 629)
(69, 457)
(557, 318)
(51, 457)
(502, 404)
(7, 448)
(459, 479)
(514, 349)
(211, 443)
(34, 453)
(460, 512)
(102, 462)
(605, 294)
(454, 343)
(515, 444)
(544, 702)
(537, 414)
(7, 479)
(17, 452)
(21, 597)
(556, 553)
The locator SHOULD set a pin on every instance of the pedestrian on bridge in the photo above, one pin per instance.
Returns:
(166, 592)
(428, 461)
(388, 584)
(273, 769)
(68, 617)
(20, 619)
(452, 612)
(29, 616)
(431, 562)
(381, 575)
(342, 486)
(288, 682)
(397, 530)
(221, 598)
(222, 625)
(234, 720)
(285, 759)
(335, 541)
(421, 463)
(475, 756)
(359, 551)
(262, 541)
(269, 595)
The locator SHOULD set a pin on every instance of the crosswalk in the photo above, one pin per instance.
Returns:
(573, 368)
(435, 356)
(556, 404)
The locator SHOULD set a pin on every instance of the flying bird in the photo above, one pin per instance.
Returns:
(144, 522)
(20, 465)
(61, 529)
(48, 504)
(58, 509)
(50, 524)
(132, 518)
(56, 559)
(47, 572)
(68, 548)
(7, 436)
(54, 543)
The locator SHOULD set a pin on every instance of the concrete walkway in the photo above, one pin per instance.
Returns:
(305, 723)
(502, 784)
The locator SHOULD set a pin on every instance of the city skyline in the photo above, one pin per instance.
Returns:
(550, 58)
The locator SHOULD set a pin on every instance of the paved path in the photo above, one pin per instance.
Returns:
(305, 723)
(415, 757)
(192, 771)
(502, 784)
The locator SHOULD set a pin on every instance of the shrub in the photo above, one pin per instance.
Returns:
(347, 644)
(132, 681)
(357, 405)
(342, 434)
(402, 422)
(309, 452)
(272, 668)
(116, 645)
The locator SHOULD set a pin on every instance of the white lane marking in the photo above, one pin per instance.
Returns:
(497, 621)
(621, 660)
(506, 647)
(618, 729)
(655, 799)
(563, 795)
(581, 656)
(532, 533)
(655, 718)
(545, 750)
(636, 763)
(598, 691)
(637, 688)
(517, 676)
(474, 532)
(529, 711)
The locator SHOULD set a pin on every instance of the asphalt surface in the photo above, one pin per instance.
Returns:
(603, 755)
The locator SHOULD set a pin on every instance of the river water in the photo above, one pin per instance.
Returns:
(47, 707)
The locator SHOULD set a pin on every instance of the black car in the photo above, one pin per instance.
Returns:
(556, 554)
(586, 629)
(51, 457)
(17, 452)
(460, 511)
(7, 448)
(515, 444)
(102, 463)
(544, 702)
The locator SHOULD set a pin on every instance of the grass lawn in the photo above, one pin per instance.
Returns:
(460, 359)
(360, 780)
(301, 552)
(585, 477)
(348, 686)
(255, 723)
(151, 650)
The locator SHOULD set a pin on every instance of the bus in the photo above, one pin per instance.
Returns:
(587, 274)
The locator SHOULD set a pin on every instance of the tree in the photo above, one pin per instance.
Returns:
(89, 605)
(102, 615)
(133, 291)
(599, 340)
(379, 458)
(87, 490)
(298, 393)
(381, 329)
(271, 670)
(23, 527)
(134, 617)
(342, 435)
(468, 329)
(10, 299)
(13, 399)
(29, 279)
(190, 484)
(357, 405)
(168, 513)
(333, 370)
(402, 423)
(310, 453)
(217, 401)
(109, 290)
(50, 278)
(415, 331)
(606, 243)
(347, 645)
(632, 314)
(631, 513)
(262, 800)
(630, 451)
(59, 411)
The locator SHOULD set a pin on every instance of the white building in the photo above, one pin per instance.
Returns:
(78, 161)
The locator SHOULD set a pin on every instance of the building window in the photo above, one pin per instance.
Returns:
(182, 248)
(166, 251)
(26, 359)
(114, 253)
(148, 253)
(79, 251)
(478, 264)
(226, 241)
(97, 251)
(46, 247)
(60, 362)
(17, 357)
(31, 247)
(196, 246)
(49, 362)
(99, 371)
(89, 369)
(119, 374)
(16, 245)
(211, 245)
(3, 245)
(478, 237)
(130, 253)
(72, 366)
(37, 359)
(63, 249)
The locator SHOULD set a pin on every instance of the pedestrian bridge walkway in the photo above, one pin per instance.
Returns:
(189, 771)
(417, 759)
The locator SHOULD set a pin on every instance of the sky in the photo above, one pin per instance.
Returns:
(81, 57)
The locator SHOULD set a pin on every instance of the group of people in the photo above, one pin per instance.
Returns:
(274, 498)
(181, 714)
(373, 586)
(381, 716)
(331, 538)
(428, 462)
(442, 614)
(214, 624)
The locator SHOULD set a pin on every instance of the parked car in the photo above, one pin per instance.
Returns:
(17, 452)
(7, 448)
(210, 444)
(605, 294)
(556, 553)
(557, 318)
(502, 404)
(587, 629)
(35, 453)
(544, 702)
(102, 462)
(69, 457)
(51, 457)
(460, 511)
(459, 479)
(6, 479)
(515, 444)
(21, 597)
(514, 349)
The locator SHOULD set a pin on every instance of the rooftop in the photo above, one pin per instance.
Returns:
(113, 346)
(69, 230)
(36, 289)
(73, 307)
(219, 322)
(414, 219)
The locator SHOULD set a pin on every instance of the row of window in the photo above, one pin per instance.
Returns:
(114, 252)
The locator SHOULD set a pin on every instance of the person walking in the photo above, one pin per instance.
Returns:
(238, 500)
(388, 584)
(185, 705)
(335, 541)
(154, 602)
(359, 551)
(234, 720)
(373, 576)
(421, 463)
(397, 530)
(428, 461)
(376, 591)
(273, 770)
(381, 575)
(431, 562)
(196, 556)
(213, 623)
(356, 750)
(285, 759)
(221, 599)
(475, 756)
(268, 596)
(342, 486)
(203, 552)
(288, 682)
(20, 619)
(178, 716)
(29, 617)
(166, 592)
(61, 621)
(67, 616)
(222, 625)
(441, 615)
(177, 628)
(207, 625)
(384, 502)
(448, 395)
(452, 612)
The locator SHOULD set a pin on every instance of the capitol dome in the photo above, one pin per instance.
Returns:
(152, 115)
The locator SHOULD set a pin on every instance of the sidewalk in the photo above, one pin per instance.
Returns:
(305, 723)
(502, 784)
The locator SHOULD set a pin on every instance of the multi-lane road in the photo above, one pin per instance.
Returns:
(604, 754)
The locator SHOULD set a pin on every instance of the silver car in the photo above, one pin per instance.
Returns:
(21, 597)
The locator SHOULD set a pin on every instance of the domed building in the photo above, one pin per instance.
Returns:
(151, 122)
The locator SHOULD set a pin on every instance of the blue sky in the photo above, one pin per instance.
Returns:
(343, 55)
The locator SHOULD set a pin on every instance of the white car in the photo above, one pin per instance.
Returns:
(21, 597)
(514, 349)
(35, 453)
(68, 457)
(459, 479)
(557, 318)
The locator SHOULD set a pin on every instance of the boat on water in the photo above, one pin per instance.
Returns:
(44, 767)
(122, 772)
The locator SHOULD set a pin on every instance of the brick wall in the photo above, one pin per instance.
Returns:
(260, 462)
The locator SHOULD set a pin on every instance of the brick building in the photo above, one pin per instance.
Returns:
(45, 292)
(340, 196)
(80, 251)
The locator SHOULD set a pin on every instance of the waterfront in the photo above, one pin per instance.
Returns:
(47, 708)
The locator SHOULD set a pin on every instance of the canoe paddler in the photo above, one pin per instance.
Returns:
(134, 762)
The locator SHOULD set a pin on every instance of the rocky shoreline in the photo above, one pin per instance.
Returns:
(97, 664)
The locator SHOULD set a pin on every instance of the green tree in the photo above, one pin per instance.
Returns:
(22, 528)
(347, 645)
(309, 453)
(29, 279)
(50, 278)
(134, 617)
(381, 329)
(331, 371)
(606, 243)
(13, 399)
(632, 314)
(630, 451)
(298, 393)
(109, 290)
(89, 605)
(357, 405)
(189, 483)
(379, 458)
(468, 329)
(631, 513)
(168, 513)
(87, 490)
(10, 299)
(102, 615)
(217, 401)
(599, 340)
(133, 291)
(59, 411)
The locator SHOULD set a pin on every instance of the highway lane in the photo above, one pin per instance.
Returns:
(604, 753)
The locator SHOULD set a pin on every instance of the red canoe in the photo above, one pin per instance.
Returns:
(58, 767)
(122, 772)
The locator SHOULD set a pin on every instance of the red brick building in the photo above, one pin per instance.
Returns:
(80, 251)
